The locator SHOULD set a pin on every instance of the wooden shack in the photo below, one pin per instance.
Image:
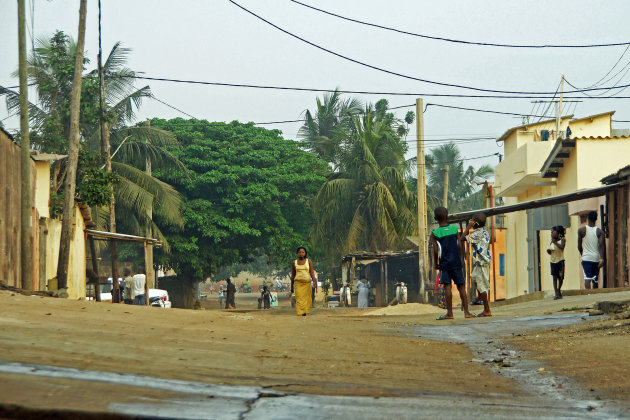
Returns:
(615, 224)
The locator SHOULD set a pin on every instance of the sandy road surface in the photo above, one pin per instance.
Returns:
(337, 352)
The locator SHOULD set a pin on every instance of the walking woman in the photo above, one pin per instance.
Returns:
(556, 250)
(302, 274)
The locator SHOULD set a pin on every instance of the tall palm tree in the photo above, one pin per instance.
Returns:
(463, 181)
(323, 128)
(135, 191)
(366, 203)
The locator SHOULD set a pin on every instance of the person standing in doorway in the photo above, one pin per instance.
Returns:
(302, 276)
(139, 282)
(591, 247)
(449, 262)
(364, 293)
(128, 287)
(556, 252)
(230, 295)
(479, 240)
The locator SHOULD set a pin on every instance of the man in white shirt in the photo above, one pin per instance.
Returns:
(139, 281)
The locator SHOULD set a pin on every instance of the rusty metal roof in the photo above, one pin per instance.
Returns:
(620, 175)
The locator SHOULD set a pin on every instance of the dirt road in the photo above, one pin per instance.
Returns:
(333, 352)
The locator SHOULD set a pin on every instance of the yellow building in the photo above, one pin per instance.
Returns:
(537, 166)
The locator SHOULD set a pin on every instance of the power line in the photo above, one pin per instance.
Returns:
(611, 69)
(361, 92)
(172, 107)
(437, 38)
(393, 72)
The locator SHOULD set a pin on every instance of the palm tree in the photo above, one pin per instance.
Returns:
(464, 189)
(135, 192)
(366, 203)
(322, 130)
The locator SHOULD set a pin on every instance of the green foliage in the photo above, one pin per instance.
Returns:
(464, 189)
(249, 192)
(94, 185)
(365, 204)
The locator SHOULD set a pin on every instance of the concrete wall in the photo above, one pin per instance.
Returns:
(50, 231)
(42, 188)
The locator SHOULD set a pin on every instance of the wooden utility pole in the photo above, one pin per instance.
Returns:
(422, 202)
(445, 196)
(73, 156)
(26, 253)
(149, 229)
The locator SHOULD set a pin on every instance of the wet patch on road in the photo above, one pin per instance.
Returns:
(483, 337)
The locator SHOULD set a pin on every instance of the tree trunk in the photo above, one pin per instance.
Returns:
(73, 156)
(188, 292)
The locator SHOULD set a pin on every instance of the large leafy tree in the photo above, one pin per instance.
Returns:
(464, 189)
(249, 193)
(365, 204)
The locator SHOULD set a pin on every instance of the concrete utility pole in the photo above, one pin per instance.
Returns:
(422, 202)
(445, 197)
(25, 158)
(73, 156)
(149, 229)
(559, 108)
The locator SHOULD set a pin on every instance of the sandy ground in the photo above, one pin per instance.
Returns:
(324, 353)
(337, 351)
(596, 354)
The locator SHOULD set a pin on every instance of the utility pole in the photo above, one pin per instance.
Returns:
(422, 202)
(559, 108)
(25, 158)
(445, 197)
(73, 156)
(150, 273)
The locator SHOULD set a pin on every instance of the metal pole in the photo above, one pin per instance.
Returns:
(422, 202)
(494, 238)
(25, 159)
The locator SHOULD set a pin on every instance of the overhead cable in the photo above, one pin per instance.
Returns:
(458, 41)
(405, 76)
(362, 92)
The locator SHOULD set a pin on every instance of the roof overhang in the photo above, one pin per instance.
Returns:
(46, 156)
(533, 204)
(620, 175)
(121, 237)
(521, 186)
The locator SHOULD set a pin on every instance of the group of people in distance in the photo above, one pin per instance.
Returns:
(133, 289)
(447, 241)
(591, 247)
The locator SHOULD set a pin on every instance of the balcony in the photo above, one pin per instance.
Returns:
(520, 170)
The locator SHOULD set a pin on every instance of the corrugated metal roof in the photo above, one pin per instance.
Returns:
(621, 174)
(570, 117)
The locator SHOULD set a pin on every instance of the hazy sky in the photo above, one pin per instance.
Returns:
(215, 41)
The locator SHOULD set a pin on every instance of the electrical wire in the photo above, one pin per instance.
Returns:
(393, 73)
(171, 106)
(437, 38)
(358, 92)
